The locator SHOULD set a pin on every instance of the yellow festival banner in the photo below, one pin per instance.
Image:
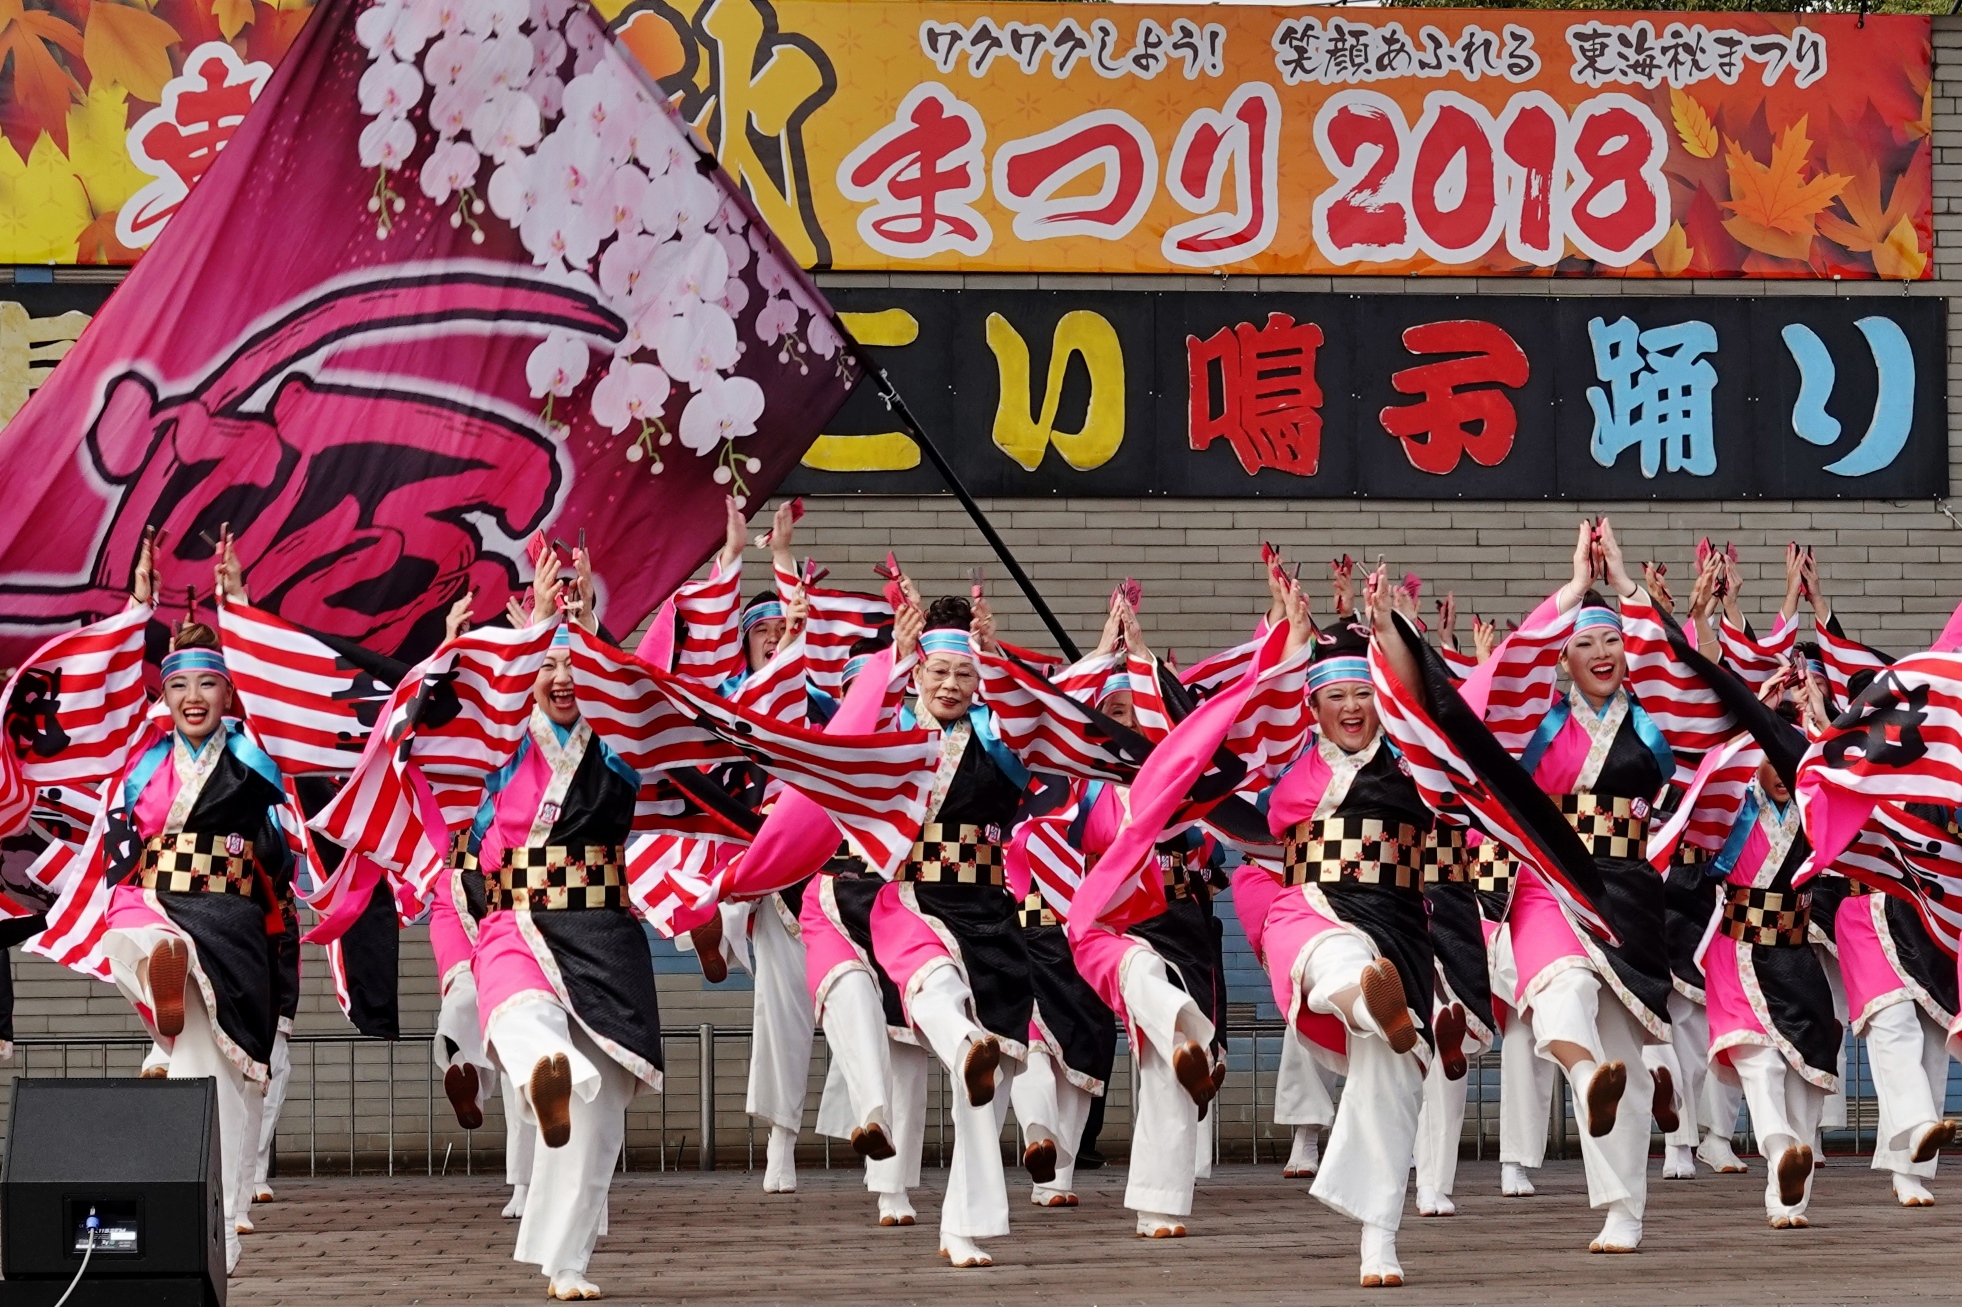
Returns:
(883, 134)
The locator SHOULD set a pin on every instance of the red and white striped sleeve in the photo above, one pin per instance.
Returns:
(1522, 676)
(1434, 763)
(1752, 659)
(1147, 699)
(711, 648)
(1275, 726)
(1047, 729)
(1845, 658)
(1460, 664)
(1207, 676)
(778, 689)
(835, 621)
(1688, 712)
(1083, 678)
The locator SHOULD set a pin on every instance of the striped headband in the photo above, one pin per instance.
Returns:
(766, 610)
(1814, 666)
(1592, 616)
(194, 660)
(562, 637)
(1334, 671)
(1118, 682)
(945, 640)
(854, 665)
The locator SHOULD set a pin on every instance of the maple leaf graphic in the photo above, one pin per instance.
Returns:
(1774, 207)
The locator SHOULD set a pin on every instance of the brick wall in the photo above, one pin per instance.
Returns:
(1892, 569)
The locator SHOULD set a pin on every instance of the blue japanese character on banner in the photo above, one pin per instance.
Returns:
(1893, 409)
(1658, 395)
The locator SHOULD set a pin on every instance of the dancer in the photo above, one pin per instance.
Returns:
(1461, 1017)
(1346, 938)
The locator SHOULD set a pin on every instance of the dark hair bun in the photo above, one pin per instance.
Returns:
(871, 644)
(950, 611)
(194, 635)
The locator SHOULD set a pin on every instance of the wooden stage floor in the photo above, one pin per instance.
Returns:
(1255, 1238)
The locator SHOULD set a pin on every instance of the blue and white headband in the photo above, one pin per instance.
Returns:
(1335, 671)
(1595, 616)
(945, 640)
(1118, 682)
(194, 660)
(562, 637)
(1815, 667)
(854, 665)
(764, 611)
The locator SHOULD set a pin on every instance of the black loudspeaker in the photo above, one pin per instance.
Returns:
(142, 1156)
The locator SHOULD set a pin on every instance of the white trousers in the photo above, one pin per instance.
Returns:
(1049, 1106)
(1365, 1170)
(1687, 1055)
(520, 1134)
(565, 1210)
(1301, 1091)
(1526, 1082)
(1572, 1007)
(883, 1080)
(1440, 1129)
(194, 1055)
(1834, 1117)
(976, 1206)
(1909, 1056)
(907, 1099)
(281, 1068)
(459, 1034)
(523, 1033)
(1784, 1111)
(1164, 1132)
(780, 1045)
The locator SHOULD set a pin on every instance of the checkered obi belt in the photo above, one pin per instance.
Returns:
(955, 855)
(555, 878)
(1443, 856)
(1688, 855)
(1775, 918)
(1177, 881)
(461, 858)
(1034, 912)
(1361, 850)
(1490, 867)
(1855, 888)
(1609, 827)
(187, 863)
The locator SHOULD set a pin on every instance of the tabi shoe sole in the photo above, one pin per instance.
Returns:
(1614, 1248)
(1297, 1174)
(1382, 994)
(1794, 1169)
(978, 1070)
(707, 939)
(1057, 1200)
(872, 1143)
(1604, 1090)
(1915, 1201)
(1194, 1071)
(1662, 1105)
(889, 1221)
(460, 1087)
(1932, 1143)
(1039, 1160)
(1790, 1223)
(1163, 1232)
(551, 1099)
(1391, 1281)
(1449, 1027)
(170, 964)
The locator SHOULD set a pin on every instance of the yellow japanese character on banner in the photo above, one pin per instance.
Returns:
(1025, 436)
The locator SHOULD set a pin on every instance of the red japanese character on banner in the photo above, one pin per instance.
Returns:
(918, 176)
(1243, 142)
(1030, 172)
(177, 141)
(1256, 386)
(1451, 421)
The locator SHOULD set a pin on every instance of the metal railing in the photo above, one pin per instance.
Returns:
(362, 1106)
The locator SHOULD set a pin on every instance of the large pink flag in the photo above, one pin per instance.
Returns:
(460, 277)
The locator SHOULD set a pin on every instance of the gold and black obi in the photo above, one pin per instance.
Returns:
(955, 855)
(1445, 856)
(1770, 917)
(1357, 850)
(555, 878)
(197, 863)
(1610, 826)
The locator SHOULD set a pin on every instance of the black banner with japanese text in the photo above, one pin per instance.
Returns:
(1221, 394)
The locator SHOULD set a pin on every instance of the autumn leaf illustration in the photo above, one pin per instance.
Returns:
(130, 46)
(42, 85)
(1900, 256)
(1693, 125)
(232, 16)
(1672, 253)
(1869, 224)
(1774, 207)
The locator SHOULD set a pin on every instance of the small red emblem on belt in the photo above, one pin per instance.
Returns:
(235, 844)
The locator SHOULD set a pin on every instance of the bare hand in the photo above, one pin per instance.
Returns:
(1134, 641)
(457, 620)
(1809, 577)
(1576, 588)
(1383, 601)
(734, 533)
(1485, 638)
(143, 582)
(1703, 595)
(1113, 628)
(546, 587)
(582, 569)
(907, 624)
(777, 539)
(1342, 581)
(795, 613)
(1612, 564)
(1301, 627)
(983, 626)
(1447, 619)
(514, 613)
(1655, 579)
(228, 577)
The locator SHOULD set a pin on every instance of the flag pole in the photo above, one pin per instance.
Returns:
(896, 403)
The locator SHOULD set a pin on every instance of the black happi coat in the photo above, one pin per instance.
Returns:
(982, 918)
(229, 931)
(602, 953)
(1394, 919)
(1635, 900)
(1458, 940)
